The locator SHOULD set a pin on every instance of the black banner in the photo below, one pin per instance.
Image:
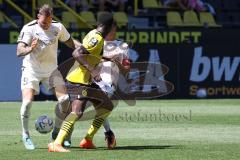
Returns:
(201, 62)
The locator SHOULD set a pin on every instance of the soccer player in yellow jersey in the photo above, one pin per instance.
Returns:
(115, 61)
(81, 86)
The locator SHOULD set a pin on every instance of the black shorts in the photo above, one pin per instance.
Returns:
(90, 93)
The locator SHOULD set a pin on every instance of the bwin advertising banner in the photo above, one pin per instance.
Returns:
(199, 63)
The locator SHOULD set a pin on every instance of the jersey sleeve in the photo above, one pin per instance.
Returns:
(25, 36)
(117, 49)
(93, 43)
(64, 34)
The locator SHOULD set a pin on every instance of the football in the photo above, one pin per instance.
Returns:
(201, 93)
(126, 62)
(44, 124)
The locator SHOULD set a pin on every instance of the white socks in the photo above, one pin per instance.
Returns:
(61, 110)
(25, 114)
(106, 125)
(63, 103)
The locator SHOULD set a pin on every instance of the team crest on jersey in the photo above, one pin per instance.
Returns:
(84, 92)
(93, 42)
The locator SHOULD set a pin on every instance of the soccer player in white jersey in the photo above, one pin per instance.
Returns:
(116, 55)
(38, 43)
(117, 51)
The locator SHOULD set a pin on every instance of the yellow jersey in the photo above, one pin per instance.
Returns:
(93, 42)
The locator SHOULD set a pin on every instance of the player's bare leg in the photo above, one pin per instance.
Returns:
(62, 110)
(77, 111)
(27, 98)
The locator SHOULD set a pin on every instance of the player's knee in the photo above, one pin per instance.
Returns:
(63, 98)
(59, 114)
(109, 106)
(25, 108)
(63, 104)
(102, 112)
(77, 114)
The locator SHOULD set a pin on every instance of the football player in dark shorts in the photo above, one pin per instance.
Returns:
(81, 87)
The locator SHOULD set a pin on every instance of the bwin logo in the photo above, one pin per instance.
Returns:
(222, 68)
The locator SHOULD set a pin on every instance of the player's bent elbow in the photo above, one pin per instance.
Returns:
(76, 53)
(79, 52)
(22, 50)
(19, 54)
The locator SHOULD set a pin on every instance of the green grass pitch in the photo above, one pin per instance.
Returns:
(174, 129)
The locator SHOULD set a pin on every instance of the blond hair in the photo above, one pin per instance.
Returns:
(46, 10)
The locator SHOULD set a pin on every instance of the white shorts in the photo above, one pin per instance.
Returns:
(30, 80)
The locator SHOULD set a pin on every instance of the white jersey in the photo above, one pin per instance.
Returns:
(109, 70)
(42, 60)
(116, 48)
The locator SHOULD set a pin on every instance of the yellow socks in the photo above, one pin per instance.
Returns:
(101, 115)
(66, 127)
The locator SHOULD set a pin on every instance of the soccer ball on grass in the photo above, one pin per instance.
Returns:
(44, 124)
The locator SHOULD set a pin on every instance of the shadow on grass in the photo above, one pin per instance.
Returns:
(140, 147)
(135, 147)
(147, 147)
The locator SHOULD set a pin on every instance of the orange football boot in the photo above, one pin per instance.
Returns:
(87, 144)
(56, 148)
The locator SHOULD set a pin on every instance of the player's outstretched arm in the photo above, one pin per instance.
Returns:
(23, 49)
(70, 43)
(76, 43)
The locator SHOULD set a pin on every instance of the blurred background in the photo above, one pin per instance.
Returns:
(197, 40)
